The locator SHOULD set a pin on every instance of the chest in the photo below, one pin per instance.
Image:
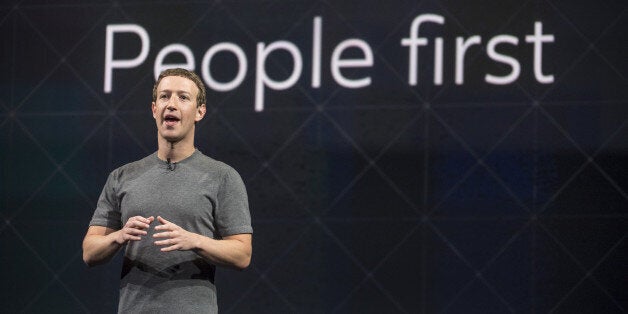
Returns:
(184, 199)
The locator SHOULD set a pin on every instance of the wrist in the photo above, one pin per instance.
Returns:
(115, 238)
(197, 241)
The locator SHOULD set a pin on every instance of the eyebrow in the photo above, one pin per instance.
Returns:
(177, 91)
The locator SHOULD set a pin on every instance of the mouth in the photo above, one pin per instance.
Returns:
(171, 120)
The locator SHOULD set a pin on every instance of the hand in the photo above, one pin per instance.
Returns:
(176, 238)
(134, 229)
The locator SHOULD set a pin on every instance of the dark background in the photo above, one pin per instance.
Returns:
(472, 198)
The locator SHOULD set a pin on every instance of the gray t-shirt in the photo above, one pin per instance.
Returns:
(200, 195)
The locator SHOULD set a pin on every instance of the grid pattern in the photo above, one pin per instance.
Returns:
(393, 198)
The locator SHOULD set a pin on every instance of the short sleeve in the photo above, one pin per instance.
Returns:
(107, 213)
(232, 214)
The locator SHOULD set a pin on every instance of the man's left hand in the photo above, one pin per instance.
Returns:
(174, 237)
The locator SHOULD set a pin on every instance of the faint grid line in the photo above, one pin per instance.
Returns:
(37, 86)
(13, 63)
(512, 239)
(58, 166)
(533, 227)
(608, 62)
(4, 106)
(563, 187)
(285, 144)
(372, 163)
(237, 134)
(201, 18)
(426, 210)
(589, 159)
(62, 5)
(610, 180)
(132, 91)
(6, 16)
(362, 268)
(587, 273)
(62, 57)
(262, 276)
(299, 20)
(77, 113)
(590, 47)
(378, 265)
(48, 268)
(479, 160)
(478, 273)
(494, 258)
(601, 148)
(563, 76)
(264, 272)
(5, 121)
(132, 135)
(57, 278)
(469, 265)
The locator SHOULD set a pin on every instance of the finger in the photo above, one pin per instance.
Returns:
(162, 227)
(165, 242)
(162, 242)
(162, 221)
(132, 237)
(164, 234)
(170, 248)
(135, 231)
(137, 224)
(142, 219)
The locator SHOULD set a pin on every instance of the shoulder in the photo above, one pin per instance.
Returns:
(208, 164)
(218, 172)
(134, 169)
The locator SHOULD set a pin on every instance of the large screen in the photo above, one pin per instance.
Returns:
(399, 156)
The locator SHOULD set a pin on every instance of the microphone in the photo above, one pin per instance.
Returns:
(171, 166)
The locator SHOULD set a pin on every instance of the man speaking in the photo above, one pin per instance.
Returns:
(178, 212)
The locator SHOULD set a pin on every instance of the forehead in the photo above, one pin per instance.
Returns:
(177, 83)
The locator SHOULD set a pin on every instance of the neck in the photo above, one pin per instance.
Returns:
(174, 151)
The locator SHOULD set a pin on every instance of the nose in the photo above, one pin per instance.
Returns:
(172, 103)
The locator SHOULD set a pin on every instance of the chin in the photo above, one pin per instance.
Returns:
(171, 138)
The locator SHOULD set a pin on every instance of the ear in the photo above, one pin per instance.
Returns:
(200, 112)
(153, 107)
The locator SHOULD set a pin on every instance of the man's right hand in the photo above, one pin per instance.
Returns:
(134, 229)
(101, 243)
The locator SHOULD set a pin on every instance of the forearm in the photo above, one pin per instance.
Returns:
(99, 249)
(234, 251)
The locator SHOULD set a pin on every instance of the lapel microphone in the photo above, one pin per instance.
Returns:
(171, 166)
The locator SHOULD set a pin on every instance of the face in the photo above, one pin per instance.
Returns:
(175, 110)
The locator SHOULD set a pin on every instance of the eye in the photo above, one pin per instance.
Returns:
(184, 97)
(163, 96)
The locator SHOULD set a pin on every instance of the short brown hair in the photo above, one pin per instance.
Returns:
(200, 98)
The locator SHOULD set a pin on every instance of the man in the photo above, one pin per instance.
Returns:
(178, 212)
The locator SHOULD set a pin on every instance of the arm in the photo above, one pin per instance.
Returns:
(232, 251)
(101, 243)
